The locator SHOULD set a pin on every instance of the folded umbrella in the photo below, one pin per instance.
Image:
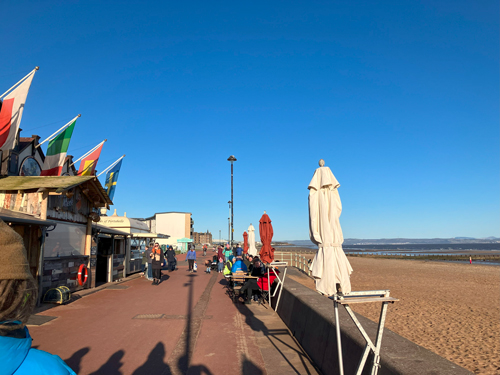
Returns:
(330, 266)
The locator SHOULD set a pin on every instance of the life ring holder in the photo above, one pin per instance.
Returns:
(83, 274)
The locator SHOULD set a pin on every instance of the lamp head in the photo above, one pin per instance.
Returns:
(231, 159)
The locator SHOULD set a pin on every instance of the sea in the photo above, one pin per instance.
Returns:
(408, 249)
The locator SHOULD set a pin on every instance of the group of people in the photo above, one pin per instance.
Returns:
(154, 259)
(230, 261)
(227, 260)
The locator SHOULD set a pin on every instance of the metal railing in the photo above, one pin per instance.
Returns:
(295, 260)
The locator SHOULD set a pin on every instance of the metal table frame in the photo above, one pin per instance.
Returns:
(281, 282)
(369, 296)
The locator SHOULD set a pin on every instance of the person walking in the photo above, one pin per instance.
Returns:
(204, 250)
(208, 265)
(148, 252)
(220, 252)
(171, 259)
(191, 257)
(156, 263)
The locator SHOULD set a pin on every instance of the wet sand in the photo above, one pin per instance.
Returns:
(450, 309)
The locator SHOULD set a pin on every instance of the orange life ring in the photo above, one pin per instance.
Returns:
(83, 273)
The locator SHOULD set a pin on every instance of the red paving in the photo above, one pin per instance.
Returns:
(98, 335)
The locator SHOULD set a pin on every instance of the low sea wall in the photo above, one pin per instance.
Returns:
(310, 318)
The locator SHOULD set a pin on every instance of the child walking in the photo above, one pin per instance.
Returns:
(208, 264)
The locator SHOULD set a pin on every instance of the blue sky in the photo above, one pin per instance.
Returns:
(400, 98)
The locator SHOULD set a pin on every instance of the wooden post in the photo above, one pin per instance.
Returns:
(88, 237)
(44, 197)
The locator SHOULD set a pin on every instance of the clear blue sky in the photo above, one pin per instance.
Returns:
(401, 99)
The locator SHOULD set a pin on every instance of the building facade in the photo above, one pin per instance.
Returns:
(202, 238)
(177, 225)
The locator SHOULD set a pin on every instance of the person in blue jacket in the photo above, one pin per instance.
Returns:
(239, 266)
(191, 257)
(18, 296)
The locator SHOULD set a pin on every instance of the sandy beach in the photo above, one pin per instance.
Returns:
(450, 309)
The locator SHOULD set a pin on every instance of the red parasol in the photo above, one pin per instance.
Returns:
(245, 242)
(266, 236)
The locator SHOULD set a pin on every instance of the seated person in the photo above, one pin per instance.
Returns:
(263, 283)
(19, 291)
(248, 260)
(239, 251)
(227, 268)
(239, 266)
(251, 284)
(261, 269)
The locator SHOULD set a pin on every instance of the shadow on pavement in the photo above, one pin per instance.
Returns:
(75, 360)
(272, 334)
(248, 367)
(154, 364)
(112, 366)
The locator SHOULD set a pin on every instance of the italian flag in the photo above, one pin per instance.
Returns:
(12, 111)
(56, 152)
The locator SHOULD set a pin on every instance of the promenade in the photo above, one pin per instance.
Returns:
(186, 325)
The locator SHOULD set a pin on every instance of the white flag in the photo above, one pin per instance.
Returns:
(11, 113)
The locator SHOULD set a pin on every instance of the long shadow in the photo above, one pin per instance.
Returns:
(183, 363)
(75, 360)
(154, 364)
(257, 325)
(249, 368)
(112, 366)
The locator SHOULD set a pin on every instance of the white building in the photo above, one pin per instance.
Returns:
(178, 226)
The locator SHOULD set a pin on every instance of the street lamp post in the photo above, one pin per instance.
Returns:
(232, 159)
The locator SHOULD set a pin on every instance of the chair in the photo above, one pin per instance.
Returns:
(264, 284)
(237, 281)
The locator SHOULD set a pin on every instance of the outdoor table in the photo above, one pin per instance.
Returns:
(363, 297)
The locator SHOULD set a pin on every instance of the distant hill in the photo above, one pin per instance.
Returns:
(402, 241)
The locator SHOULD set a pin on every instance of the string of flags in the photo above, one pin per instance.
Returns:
(12, 104)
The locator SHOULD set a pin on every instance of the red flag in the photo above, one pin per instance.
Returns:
(12, 112)
(88, 164)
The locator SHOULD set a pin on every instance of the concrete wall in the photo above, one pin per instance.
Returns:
(310, 318)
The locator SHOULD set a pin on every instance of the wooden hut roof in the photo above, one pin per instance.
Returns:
(59, 184)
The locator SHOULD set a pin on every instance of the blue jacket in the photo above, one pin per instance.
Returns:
(17, 357)
(191, 255)
(239, 266)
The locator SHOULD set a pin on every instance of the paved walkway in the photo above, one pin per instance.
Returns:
(186, 325)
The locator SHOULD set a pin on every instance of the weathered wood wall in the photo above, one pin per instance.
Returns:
(74, 208)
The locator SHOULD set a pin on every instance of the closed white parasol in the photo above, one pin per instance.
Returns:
(330, 265)
(251, 241)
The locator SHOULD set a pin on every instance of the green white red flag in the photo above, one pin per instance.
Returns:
(12, 112)
(56, 152)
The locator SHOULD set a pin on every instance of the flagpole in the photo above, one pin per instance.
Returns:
(111, 166)
(57, 132)
(17, 84)
(88, 153)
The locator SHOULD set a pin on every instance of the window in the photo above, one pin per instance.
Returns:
(65, 240)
